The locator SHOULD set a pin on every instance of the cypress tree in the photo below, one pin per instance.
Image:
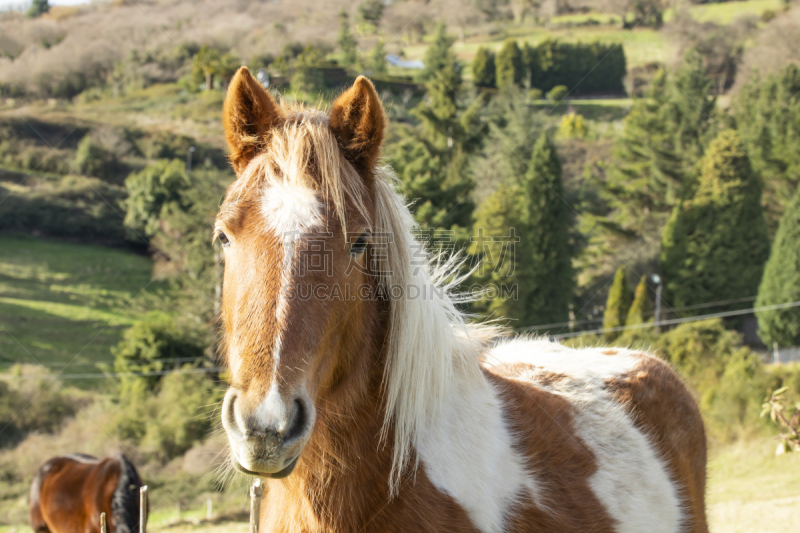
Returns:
(640, 308)
(714, 245)
(509, 66)
(549, 289)
(781, 282)
(483, 69)
(347, 43)
(617, 304)
(541, 270)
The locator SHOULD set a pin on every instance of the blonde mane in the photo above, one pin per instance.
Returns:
(429, 337)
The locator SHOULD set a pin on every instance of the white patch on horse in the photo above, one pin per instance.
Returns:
(631, 480)
(272, 412)
(289, 210)
(467, 453)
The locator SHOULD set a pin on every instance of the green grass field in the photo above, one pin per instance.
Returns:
(642, 45)
(62, 302)
(727, 12)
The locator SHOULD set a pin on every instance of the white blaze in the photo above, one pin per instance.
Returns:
(290, 210)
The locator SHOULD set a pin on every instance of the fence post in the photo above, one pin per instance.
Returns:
(255, 505)
(103, 527)
(143, 509)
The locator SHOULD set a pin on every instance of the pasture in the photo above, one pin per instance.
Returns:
(78, 302)
(68, 303)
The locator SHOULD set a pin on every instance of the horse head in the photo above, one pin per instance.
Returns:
(301, 299)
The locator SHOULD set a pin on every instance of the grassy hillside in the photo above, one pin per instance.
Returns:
(62, 302)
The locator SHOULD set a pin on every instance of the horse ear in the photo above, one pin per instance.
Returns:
(358, 122)
(248, 115)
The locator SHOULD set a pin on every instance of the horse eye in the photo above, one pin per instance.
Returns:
(359, 245)
(223, 239)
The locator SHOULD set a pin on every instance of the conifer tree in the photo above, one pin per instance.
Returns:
(38, 8)
(691, 111)
(347, 42)
(656, 158)
(547, 216)
(533, 211)
(379, 59)
(509, 65)
(442, 77)
(502, 265)
(432, 165)
(483, 69)
(715, 244)
(645, 179)
(767, 113)
(617, 304)
(640, 308)
(781, 282)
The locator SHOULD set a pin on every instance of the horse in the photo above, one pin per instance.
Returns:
(69, 492)
(365, 397)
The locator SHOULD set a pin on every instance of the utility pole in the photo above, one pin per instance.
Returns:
(657, 280)
(189, 159)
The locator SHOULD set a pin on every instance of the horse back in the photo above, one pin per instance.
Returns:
(613, 436)
(69, 493)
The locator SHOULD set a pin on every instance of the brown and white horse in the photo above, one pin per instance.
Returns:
(365, 395)
(69, 492)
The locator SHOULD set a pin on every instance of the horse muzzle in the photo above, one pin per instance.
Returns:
(266, 439)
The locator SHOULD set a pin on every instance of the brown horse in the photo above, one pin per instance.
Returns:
(69, 492)
(371, 403)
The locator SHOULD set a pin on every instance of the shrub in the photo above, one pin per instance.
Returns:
(32, 406)
(557, 93)
(153, 191)
(92, 159)
(572, 126)
(169, 422)
(77, 207)
(153, 346)
(181, 414)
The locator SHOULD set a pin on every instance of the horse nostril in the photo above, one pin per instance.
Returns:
(297, 423)
(229, 410)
